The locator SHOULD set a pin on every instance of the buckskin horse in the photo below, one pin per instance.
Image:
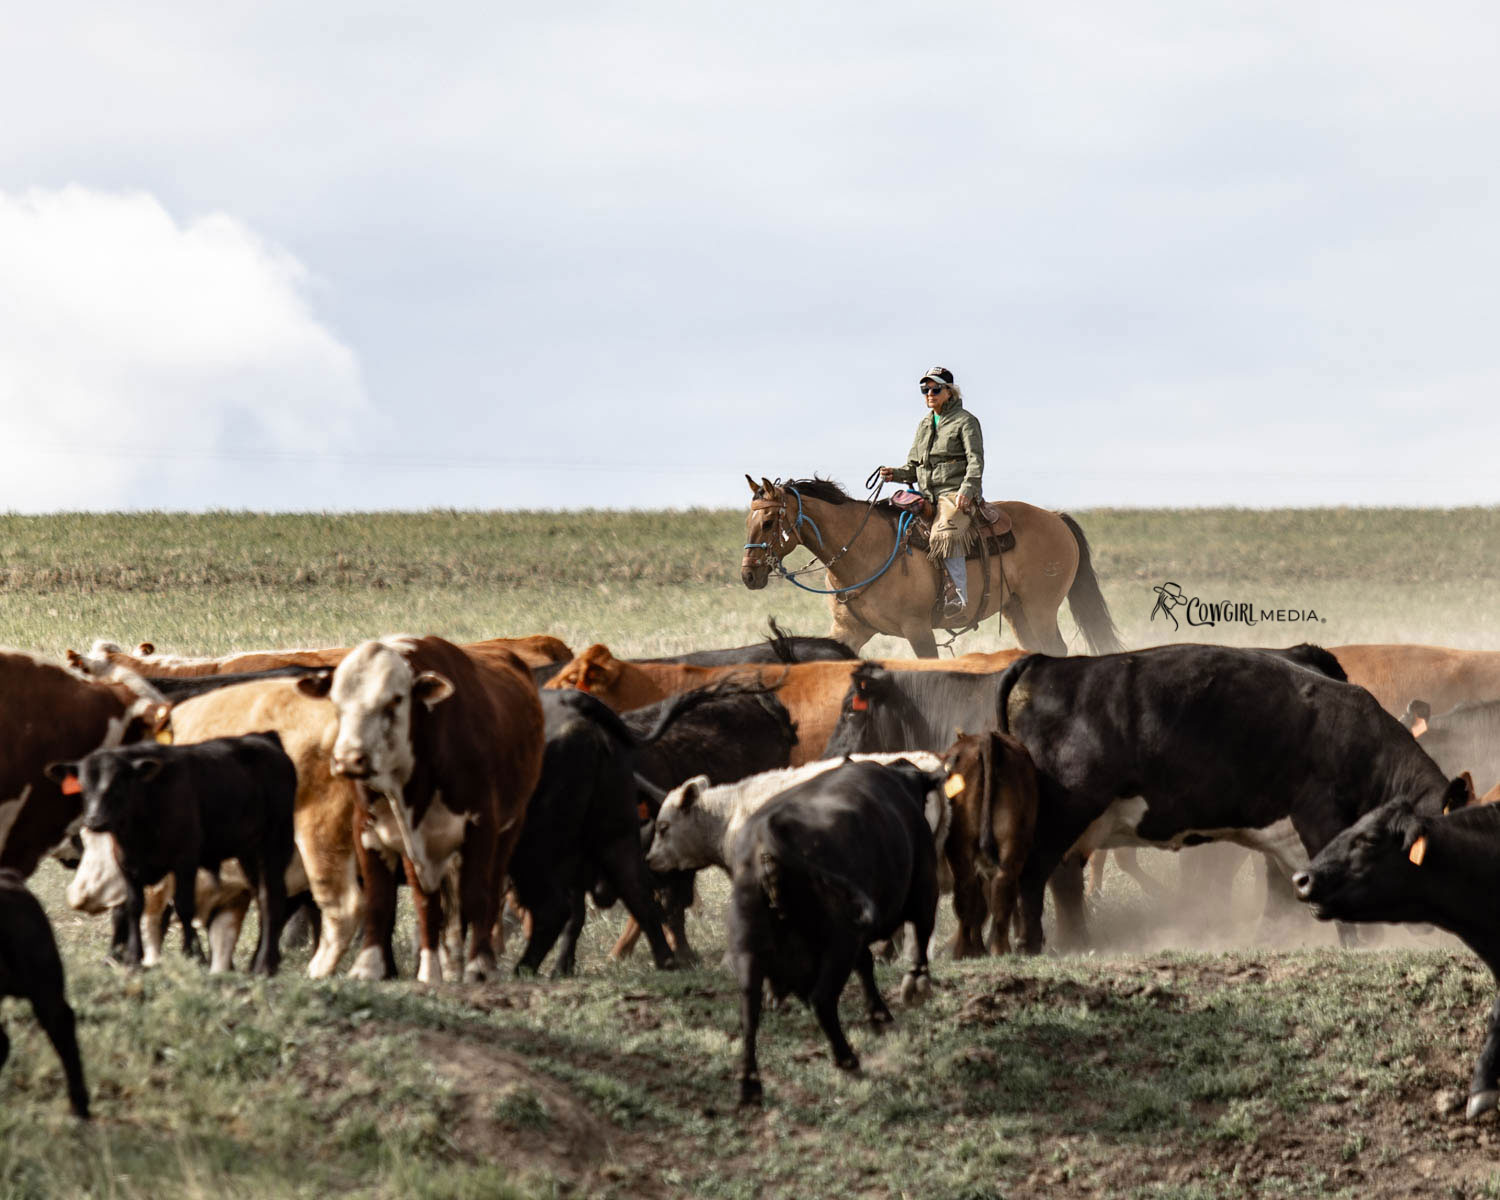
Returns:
(878, 584)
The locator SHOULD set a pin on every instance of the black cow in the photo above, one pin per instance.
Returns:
(820, 872)
(31, 969)
(1178, 745)
(582, 824)
(178, 808)
(1399, 864)
(726, 731)
(780, 647)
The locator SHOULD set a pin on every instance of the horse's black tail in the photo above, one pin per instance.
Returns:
(1087, 601)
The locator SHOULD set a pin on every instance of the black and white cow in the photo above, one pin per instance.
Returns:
(174, 809)
(1178, 745)
(827, 867)
(1398, 864)
(31, 969)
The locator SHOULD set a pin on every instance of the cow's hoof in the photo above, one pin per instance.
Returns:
(369, 964)
(881, 1019)
(1481, 1103)
(478, 970)
(849, 1062)
(915, 989)
(525, 971)
(750, 1092)
(669, 963)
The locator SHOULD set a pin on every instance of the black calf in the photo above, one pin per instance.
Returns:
(31, 969)
(820, 872)
(1396, 864)
(178, 808)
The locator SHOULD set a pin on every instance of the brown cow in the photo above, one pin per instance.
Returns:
(50, 714)
(447, 748)
(1398, 674)
(993, 789)
(812, 692)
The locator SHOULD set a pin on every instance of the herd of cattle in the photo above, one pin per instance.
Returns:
(841, 795)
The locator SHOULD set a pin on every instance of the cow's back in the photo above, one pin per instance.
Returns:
(1396, 674)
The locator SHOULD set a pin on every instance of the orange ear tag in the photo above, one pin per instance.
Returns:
(859, 703)
(164, 736)
(1418, 851)
(71, 786)
(954, 786)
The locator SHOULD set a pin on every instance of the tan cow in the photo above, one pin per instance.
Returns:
(1397, 674)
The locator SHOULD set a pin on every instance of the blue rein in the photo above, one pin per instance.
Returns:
(902, 524)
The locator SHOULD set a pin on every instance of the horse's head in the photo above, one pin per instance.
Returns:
(769, 535)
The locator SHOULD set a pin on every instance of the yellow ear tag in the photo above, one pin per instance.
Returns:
(954, 786)
(1418, 851)
(164, 736)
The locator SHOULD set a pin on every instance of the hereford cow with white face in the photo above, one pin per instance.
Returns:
(447, 747)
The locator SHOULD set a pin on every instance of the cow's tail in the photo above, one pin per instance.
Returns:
(1086, 600)
(988, 780)
(776, 852)
(1008, 680)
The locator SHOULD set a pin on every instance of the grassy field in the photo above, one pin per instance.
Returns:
(1153, 1066)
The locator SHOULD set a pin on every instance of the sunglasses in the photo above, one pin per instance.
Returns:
(930, 389)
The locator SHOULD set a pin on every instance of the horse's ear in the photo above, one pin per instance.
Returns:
(754, 487)
(770, 488)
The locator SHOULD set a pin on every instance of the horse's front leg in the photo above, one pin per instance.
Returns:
(847, 627)
(920, 635)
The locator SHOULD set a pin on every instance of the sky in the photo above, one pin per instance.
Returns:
(379, 256)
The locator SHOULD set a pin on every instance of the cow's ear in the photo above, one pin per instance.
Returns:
(691, 790)
(431, 688)
(1459, 793)
(317, 686)
(147, 769)
(145, 650)
(754, 487)
(59, 771)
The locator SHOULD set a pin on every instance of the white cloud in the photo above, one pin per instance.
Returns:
(139, 355)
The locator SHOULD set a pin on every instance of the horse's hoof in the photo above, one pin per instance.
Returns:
(1481, 1103)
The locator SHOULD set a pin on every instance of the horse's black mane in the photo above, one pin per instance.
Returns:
(828, 490)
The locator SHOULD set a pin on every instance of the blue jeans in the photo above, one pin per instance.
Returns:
(956, 572)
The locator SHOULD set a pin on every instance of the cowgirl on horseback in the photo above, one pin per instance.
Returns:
(946, 462)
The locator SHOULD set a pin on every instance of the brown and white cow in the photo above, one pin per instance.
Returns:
(50, 713)
(535, 651)
(447, 748)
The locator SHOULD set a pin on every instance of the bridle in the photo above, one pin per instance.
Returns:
(782, 537)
